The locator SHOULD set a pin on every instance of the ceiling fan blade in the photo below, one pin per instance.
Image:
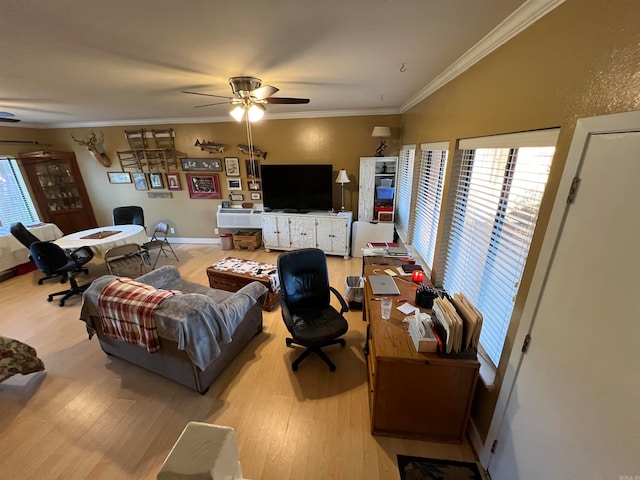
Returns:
(206, 94)
(264, 92)
(9, 120)
(283, 100)
(230, 102)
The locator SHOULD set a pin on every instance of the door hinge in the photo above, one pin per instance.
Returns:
(573, 189)
(525, 344)
(493, 446)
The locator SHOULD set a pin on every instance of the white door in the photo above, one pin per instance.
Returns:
(574, 409)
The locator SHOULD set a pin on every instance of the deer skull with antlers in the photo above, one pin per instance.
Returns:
(96, 146)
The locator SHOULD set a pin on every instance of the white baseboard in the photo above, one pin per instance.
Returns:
(208, 241)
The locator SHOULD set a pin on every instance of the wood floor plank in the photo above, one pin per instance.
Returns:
(99, 417)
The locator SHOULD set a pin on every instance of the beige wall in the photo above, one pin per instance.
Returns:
(340, 141)
(580, 60)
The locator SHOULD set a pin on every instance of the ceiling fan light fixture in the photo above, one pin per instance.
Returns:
(256, 112)
(237, 113)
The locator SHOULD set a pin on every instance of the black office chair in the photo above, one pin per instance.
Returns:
(52, 260)
(130, 215)
(26, 238)
(305, 294)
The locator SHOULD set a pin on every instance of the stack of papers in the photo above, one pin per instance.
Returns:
(451, 322)
(472, 318)
(458, 323)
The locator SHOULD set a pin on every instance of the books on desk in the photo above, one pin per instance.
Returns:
(458, 323)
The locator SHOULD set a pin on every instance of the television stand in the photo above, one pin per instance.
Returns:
(295, 210)
(330, 232)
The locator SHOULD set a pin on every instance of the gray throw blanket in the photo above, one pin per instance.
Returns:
(198, 321)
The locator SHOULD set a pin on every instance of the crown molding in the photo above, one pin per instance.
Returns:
(225, 118)
(529, 13)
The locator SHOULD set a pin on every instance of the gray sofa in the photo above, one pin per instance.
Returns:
(201, 330)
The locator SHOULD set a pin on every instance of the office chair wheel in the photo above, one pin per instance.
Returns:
(289, 341)
(41, 281)
(294, 367)
(50, 298)
(61, 303)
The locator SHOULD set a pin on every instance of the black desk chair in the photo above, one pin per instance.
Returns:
(26, 238)
(306, 311)
(130, 215)
(52, 260)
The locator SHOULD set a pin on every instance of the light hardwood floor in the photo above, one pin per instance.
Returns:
(93, 416)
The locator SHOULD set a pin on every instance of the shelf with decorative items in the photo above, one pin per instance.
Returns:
(376, 196)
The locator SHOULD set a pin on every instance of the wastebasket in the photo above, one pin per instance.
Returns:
(354, 292)
(226, 241)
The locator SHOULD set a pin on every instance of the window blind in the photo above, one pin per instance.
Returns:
(15, 203)
(433, 162)
(404, 187)
(497, 199)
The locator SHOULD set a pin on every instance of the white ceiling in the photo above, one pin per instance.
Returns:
(116, 62)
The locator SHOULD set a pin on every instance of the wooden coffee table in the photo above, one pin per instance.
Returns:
(231, 274)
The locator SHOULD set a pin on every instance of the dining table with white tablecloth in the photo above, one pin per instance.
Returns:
(101, 239)
(13, 253)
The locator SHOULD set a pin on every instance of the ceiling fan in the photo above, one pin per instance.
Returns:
(8, 117)
(250, 96)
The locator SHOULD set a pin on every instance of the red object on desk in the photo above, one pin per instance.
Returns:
(417, 276)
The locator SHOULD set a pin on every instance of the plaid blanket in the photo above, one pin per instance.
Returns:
(126, 311)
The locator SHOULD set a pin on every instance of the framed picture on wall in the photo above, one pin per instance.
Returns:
(254, 185)
(155, 180)
(256, 196)
(234, 184)
(119, 177)
(232, 166)
(201, 164)
(173, 181)
(253, 168)
(140, 181)
(203, 185)
(236, 197)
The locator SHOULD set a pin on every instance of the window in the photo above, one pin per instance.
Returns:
(433, 161)
(498, 193)
(15, 203)
(404, 187)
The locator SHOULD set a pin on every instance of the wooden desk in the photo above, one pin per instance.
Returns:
(413, 394)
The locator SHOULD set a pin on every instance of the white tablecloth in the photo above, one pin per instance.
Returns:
(127, 234)
(13, 253)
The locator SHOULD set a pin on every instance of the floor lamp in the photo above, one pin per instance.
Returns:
(342, 178)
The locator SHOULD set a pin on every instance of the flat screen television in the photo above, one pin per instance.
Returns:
(297, 187)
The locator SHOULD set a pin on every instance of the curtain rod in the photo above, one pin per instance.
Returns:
(25, 142)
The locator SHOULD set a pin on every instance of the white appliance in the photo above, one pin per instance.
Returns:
(239, 217)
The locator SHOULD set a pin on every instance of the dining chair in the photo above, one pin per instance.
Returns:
(159, 242)
(124, 257)
(128, 215)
